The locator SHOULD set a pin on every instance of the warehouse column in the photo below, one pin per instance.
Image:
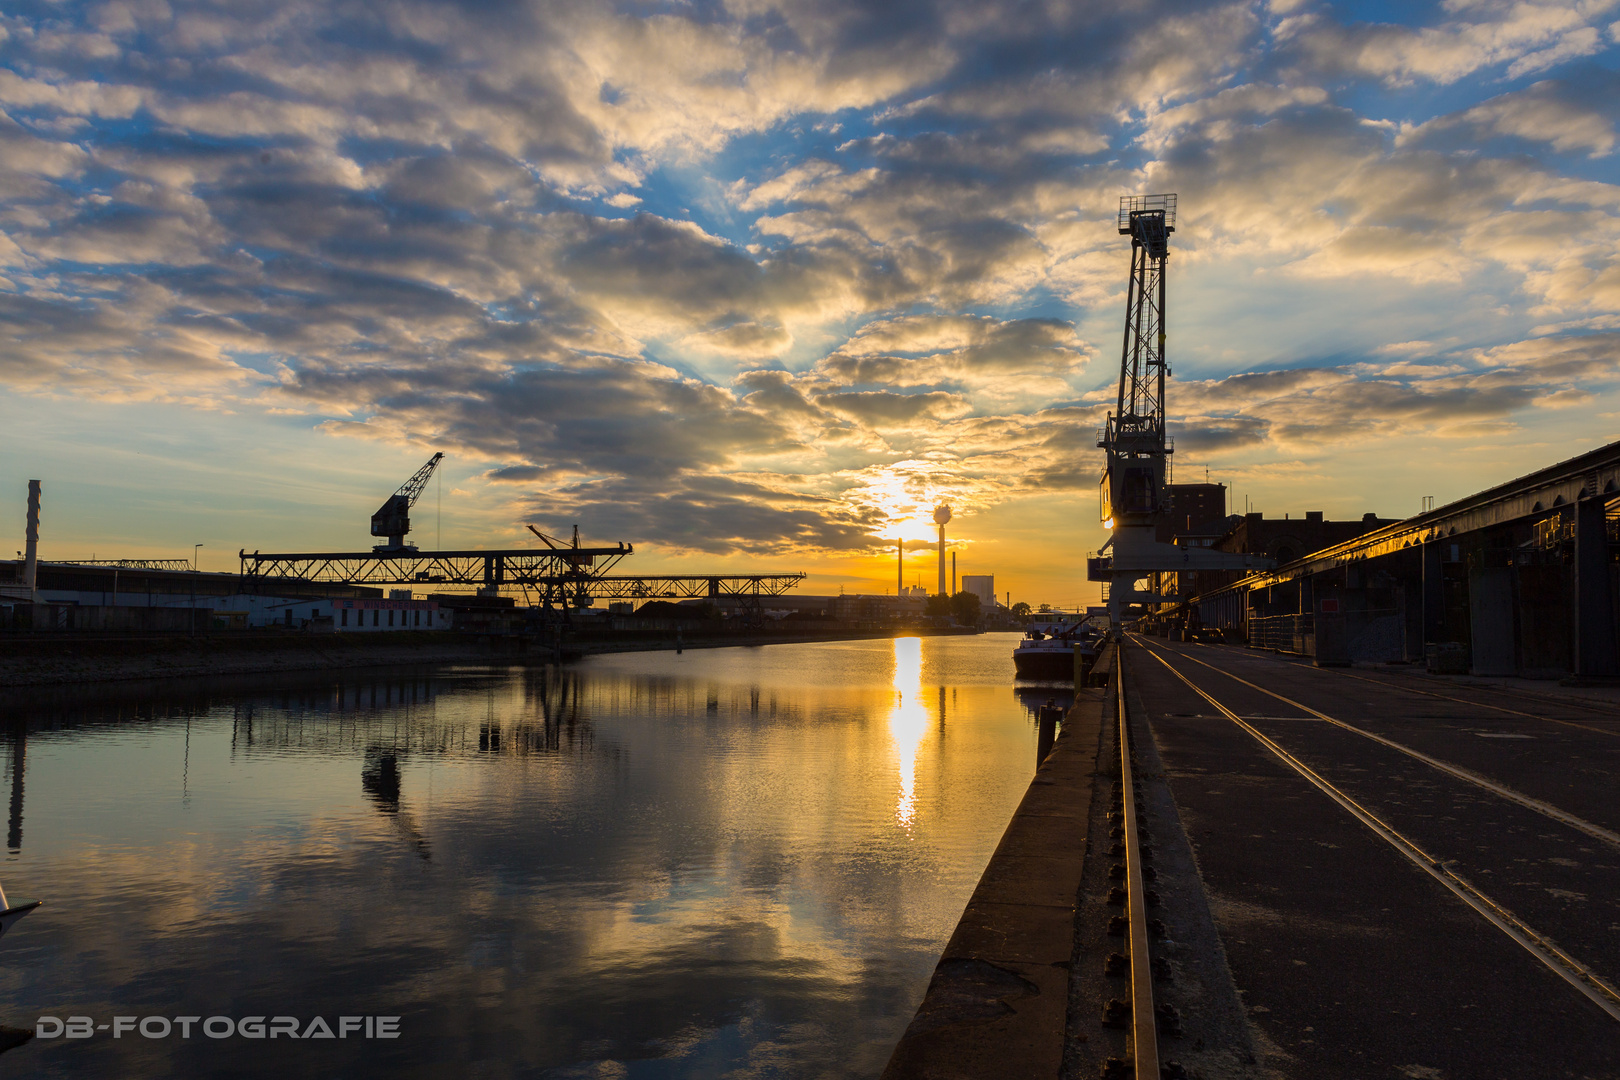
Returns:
(1594, 605)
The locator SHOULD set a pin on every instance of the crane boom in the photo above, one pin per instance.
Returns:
(412, 489)
(393, 518)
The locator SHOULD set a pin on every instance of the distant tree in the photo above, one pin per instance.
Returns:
(1044, 608)
(937, 605)
(1020, 610)
(663, 609)
(965, 606)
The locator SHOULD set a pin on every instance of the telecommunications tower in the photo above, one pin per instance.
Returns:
(942, 516)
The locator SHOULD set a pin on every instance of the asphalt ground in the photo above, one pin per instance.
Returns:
(1350, 960)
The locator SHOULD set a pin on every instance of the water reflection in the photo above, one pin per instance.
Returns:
(908, 723)
(647, 865)
(19, 766)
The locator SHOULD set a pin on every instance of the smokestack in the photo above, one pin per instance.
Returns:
(899, 565)
(953, 573)
(31, 566)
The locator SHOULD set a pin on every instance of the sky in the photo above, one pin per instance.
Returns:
(753, 285)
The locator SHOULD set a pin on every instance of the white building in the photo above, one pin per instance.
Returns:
(114, 590)
(983, 586)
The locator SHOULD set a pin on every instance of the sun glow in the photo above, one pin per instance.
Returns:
(905, 500)
(908, 723)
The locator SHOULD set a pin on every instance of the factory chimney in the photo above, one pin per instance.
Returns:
(899, 566)
(31, 566)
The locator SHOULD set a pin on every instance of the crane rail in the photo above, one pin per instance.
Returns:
(1144, 1020)
(1544, 949)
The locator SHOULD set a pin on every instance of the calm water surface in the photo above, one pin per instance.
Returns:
(734, 862)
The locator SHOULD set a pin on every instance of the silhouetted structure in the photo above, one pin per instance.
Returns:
(1518, 579)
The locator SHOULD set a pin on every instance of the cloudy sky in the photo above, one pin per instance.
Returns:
(752, 284)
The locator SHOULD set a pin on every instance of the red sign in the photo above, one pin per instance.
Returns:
(1330, 607)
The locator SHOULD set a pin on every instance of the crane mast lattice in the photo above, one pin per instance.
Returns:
(1135, 437)
(1135, 492)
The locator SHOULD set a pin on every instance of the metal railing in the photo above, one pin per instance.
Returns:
(1139, 203)
(1285, 633)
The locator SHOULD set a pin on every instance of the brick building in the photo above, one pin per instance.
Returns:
(1283, 539)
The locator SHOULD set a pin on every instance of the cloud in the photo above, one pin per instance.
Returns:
(882, 409)
(1526, 35)
(1313, 407)
(768, 277)
(1570, 114)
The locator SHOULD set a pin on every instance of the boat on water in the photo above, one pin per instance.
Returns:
(13, 1037)
(9, 914)
(1046, 651)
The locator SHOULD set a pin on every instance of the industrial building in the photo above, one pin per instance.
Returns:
(983, 586)
(133, 596)
(1517, 580)
(1281, 539)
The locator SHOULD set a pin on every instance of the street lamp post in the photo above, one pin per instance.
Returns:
(195, 549)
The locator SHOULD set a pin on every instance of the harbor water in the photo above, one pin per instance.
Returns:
(735, 862)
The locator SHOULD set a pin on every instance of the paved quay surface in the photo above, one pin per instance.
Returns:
(1350, 959)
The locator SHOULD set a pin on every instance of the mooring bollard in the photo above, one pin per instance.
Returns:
(1050, 716)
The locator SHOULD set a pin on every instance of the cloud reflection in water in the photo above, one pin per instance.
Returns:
(641, 865)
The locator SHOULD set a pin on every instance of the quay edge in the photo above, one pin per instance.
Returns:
(997, 1005)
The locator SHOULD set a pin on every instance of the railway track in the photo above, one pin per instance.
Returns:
(1598, 710)
(1458, 868)
(1144, 1018)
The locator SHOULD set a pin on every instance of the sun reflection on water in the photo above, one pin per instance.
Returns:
(908, 721)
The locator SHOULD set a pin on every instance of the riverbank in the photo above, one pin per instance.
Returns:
(44, 661)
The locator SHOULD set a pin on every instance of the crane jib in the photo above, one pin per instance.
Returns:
(393, 518)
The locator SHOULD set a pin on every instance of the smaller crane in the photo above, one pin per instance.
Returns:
(393, 519)
(578, 565)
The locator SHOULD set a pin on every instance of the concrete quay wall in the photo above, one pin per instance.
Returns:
(997, 1005)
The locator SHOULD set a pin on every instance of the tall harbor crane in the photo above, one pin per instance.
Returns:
(1138, 452)
(393, 518)
(1134, 492)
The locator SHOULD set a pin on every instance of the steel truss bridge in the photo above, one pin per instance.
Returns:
(489, 570)
(175, 565)
(560, 576)
(690, 586)
(750, 590)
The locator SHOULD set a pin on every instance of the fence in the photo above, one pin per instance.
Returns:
(1285, 633)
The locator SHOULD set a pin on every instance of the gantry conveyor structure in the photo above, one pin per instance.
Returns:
(556, 576)
(489, 569)
(561, 574)
(691, 586)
